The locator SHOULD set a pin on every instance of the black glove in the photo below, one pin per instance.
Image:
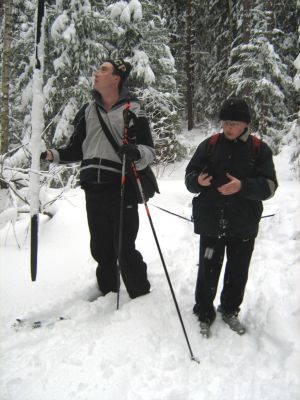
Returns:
(131, 152)
(43, 155)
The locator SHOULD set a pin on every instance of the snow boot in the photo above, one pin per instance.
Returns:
(232, 321)
(205, 329)
(205, 326)
(94, 295)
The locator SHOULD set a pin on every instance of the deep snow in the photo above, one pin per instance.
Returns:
(139, 352)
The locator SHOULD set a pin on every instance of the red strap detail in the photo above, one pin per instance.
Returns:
(214, 139)
(126, 122)
(127, 105)
(255, 144)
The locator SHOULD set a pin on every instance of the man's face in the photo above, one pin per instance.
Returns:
(104, 78)
(233, 129)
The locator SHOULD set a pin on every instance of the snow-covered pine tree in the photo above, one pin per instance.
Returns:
(21, 67)
(173, 13)
(6, 30)
(78, 40)
(140, 36)
(214, 32)
(22, 63)
(257, 72)
(294, 133)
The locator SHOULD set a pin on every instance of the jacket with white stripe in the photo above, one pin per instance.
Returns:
(88, 143)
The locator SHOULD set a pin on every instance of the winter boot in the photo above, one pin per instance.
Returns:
(205, 329)
(94, 294)
(232, 321)
(205, 326)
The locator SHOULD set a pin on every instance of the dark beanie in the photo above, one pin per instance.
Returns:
(122, 68)
(235, 109)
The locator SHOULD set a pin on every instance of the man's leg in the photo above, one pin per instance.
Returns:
(133, 268)
(239, 254)
(210, 265)
(100, 221)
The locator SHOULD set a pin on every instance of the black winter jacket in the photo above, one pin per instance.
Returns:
(236, 215)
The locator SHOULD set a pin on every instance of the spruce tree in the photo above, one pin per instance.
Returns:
(140, 35)
(257, 71)
(77, 35)
(214, 33)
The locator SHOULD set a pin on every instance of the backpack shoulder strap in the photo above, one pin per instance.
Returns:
(107, 132)
(212, 142)
(255, 145)
(214, 138)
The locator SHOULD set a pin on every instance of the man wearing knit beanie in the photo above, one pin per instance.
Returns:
(231, 172)
(235, 109)
(98, 142)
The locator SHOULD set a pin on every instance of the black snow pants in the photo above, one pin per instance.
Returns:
(103, 213)
(212, 251)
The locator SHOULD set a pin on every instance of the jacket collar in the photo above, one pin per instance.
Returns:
(123, 97)
(244, 136)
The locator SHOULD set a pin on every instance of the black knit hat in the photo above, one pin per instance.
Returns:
(122, 68)
(235, 109)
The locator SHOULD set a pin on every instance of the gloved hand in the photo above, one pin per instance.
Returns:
(43, 155)
(47, 156)
(131, 152)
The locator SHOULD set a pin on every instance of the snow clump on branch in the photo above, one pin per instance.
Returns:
(125, 11)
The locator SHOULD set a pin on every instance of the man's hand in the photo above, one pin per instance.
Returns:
(204, 179)
(47, 155)
(131, 152)
(231, 187)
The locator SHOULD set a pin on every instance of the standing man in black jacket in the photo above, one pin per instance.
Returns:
(100, 175)
(232, 172)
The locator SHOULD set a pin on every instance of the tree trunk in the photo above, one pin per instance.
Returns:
(5, 75)
(247, 5)
(189, 66)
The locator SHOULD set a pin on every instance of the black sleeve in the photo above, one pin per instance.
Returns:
(140, 132)
(73, 151)
(264, 184)
(195, 167)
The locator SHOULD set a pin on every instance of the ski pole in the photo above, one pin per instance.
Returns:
(190, 219)
(162, 258)
(121, 221)
(267, 216)
(123, 180)
(172, 213)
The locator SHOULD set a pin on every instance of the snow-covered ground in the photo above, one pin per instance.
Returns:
(139, 352)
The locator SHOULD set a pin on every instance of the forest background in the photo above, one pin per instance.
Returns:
(187, 57)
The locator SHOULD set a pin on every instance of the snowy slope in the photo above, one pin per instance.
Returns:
(139, 352)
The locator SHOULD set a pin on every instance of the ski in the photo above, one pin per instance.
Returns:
(27, 323)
